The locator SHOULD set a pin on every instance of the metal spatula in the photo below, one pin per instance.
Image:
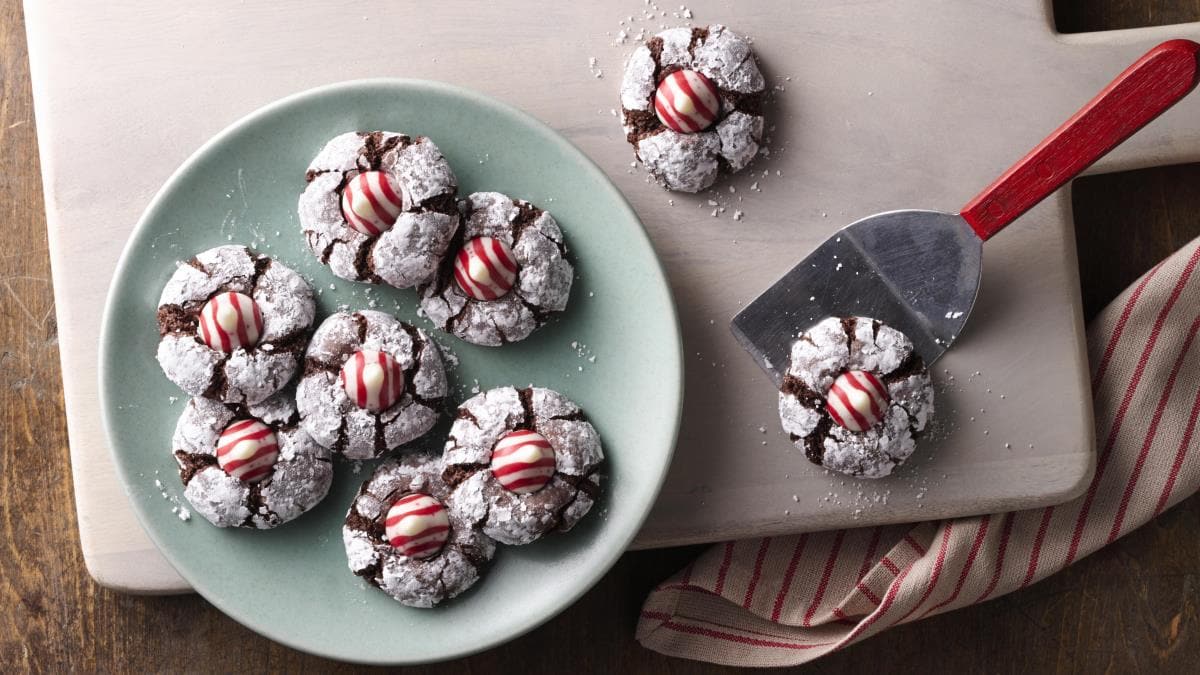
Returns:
(919, 270)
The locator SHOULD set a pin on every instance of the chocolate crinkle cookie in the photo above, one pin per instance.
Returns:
(371, 383)
(249, 465)
(401, 538)
(855, 396)
(692, 101)
(522, 462)
(508, 274)
(233, 324)
(380, 207)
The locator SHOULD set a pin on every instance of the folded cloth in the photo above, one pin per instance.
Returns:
(788, 600)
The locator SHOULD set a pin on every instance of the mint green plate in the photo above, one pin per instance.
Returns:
(292, 584)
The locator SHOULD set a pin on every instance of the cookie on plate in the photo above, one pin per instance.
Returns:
(233, 325)
(692, 101)
(522, 462)
(401, 538)
(855, 396)
(371, 383)
(508, 273)
(249, 465)
(379, 207)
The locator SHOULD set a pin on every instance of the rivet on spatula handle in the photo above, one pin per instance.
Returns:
(1143, 92)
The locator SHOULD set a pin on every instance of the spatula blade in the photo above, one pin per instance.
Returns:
(915, 270)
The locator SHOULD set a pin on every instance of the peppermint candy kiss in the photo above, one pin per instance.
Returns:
(417, 526)
(856, 400)
(485, 268)
(523, 461)
(686, 101)
(371, 203)
(230, 320)
(372, 380)
(247, 450)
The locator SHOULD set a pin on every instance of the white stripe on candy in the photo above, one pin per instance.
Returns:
(371, 203)
(857, 400)
(485, 268)
(372, 380)
(230, 320)
(247, 450)
(523, 461)
(687, 101)
(417, 526)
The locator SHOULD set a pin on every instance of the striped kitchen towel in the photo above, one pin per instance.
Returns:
(788, 600)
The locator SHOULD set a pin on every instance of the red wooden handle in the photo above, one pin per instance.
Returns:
(1138, 95)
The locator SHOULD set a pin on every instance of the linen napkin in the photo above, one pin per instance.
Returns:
(788, 600)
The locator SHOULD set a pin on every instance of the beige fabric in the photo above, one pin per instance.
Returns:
(788, 600)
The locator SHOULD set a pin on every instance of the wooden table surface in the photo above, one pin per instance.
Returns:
(1133, 606)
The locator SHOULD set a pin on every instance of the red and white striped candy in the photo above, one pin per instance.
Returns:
(230, 320)
(485, 268)
(417, 525)
(523, 461)
(247, 450)
(687, 101)
(857, 400)
(373, 380)
(371, 203)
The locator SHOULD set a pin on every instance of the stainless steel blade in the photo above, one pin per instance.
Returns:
(915, 270)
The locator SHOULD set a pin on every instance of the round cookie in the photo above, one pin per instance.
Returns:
(422, 580)
(507, 276)
(655, 98)
(515, 516)
(420, 218)
(335, 419)
(855, 396)
(196, 351)
(297, 479)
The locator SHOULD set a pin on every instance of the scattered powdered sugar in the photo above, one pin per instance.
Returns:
(177, 507)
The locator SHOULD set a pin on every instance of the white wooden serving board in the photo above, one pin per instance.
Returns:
(879, 105)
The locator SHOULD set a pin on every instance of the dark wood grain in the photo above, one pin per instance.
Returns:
(1131, 607)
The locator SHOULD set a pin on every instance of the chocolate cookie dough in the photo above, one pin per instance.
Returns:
(522, 462)
(507, 276)
(692, 102)
(855, 396)
(371, 383)
(249, 465)
(233, 325)
(379, 207)
(400, 537)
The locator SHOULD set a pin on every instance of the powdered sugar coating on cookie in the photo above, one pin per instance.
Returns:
(826, 352)
(408, 253)
(299, 479)
(337, 422)
(416, 582)
(479, 497)
(542, 285)
(248, 373)
(691, 162)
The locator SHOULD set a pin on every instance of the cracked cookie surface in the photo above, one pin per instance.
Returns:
(543, 280)
(691, 162)
(510, 517)
(828, 350)
(416, 582)
(405, 255)
(247, 374)
(335, 421)
(298, 481)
